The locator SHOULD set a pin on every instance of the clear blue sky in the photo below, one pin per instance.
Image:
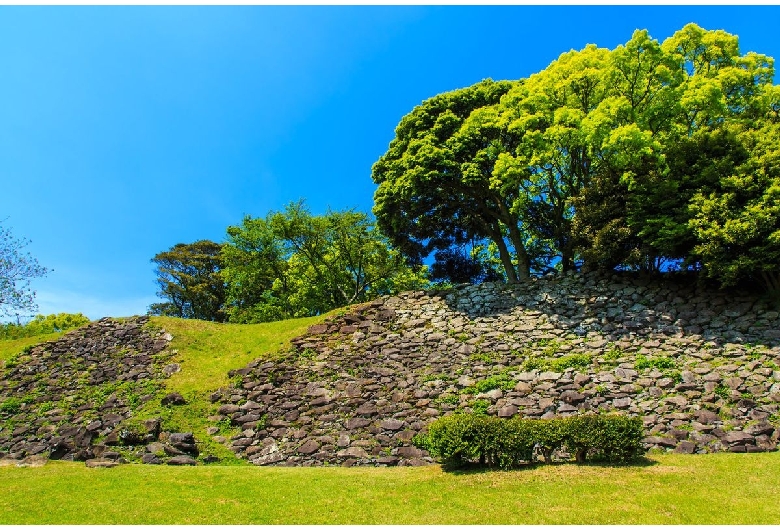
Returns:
(126, 130)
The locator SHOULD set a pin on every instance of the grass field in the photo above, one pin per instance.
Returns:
(207, 351)
(672, 489)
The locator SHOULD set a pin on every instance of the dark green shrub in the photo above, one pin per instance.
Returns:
(462, 439)
(449, 438)
(607, 437)
(549, 436)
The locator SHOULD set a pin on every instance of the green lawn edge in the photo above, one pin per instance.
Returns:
(670, 489)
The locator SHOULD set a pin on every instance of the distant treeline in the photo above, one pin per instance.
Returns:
(43, 325)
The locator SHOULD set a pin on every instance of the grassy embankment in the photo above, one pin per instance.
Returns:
(674, 489)
(206, 352)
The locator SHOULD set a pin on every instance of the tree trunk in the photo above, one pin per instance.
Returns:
(523, 261)
(503, 252)
(771, 282)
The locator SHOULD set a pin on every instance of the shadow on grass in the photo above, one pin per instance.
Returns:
(473, 468)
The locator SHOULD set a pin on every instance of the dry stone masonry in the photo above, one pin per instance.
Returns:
(700, 368)
(66, 399)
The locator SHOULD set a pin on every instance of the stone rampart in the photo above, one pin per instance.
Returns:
(700, 367)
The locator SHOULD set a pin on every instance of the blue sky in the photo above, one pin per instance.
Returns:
(126, 130)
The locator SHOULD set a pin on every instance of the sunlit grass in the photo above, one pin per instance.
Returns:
(673, 489)
(208, 350)
(10, 347)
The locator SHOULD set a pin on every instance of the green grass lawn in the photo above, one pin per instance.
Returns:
(674, 489)
(10, 347)
(207, 351)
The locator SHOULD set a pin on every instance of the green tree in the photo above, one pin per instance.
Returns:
(434, 180)
(551, 116)
(294, 264)
(188, 275)
(715, 92)
(17, 268)
(737, 222)
(602, 158)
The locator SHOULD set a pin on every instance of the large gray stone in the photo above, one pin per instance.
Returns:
(182, 460)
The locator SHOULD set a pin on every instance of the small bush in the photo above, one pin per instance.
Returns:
(462, 439)
(502, 381)
(605, 437)
(662, 363)
(560, 364)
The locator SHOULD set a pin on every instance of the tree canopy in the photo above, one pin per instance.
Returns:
(435, 179)
(639, 157)
(294, 264)
(188, 276)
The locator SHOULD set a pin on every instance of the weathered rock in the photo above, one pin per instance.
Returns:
(174, 398)
(149, 458)
(309, 447)
(101, 463)
(706, 416)
(392, 424)
(737, 438)
(182, 460)
(356, 452)
(572, 397)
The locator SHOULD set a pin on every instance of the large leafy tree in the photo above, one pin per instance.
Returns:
(550, 115)
(17, 269)
(292, 264)
(716, 93)
(188, 276)
(595, 159)
(435, 179)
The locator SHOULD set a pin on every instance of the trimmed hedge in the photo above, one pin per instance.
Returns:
(461, 439)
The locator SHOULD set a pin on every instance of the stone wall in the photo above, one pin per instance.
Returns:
(65, 399)
(700, 368)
